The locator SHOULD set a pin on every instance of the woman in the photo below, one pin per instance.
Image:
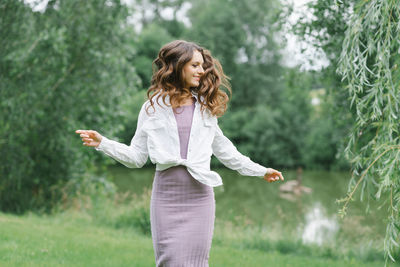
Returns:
(178, 129)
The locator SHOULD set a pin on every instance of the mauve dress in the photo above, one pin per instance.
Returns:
(182, 209)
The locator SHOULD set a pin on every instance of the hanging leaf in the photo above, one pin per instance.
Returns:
(374, 92)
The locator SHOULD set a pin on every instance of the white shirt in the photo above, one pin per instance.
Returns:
(157, 137)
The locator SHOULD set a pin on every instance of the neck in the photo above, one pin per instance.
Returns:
(187, 101)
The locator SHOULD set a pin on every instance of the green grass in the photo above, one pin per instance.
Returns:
(72, 239)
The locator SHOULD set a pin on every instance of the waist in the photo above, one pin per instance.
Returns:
(164, 166)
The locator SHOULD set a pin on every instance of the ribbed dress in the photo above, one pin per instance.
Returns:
(182, 209)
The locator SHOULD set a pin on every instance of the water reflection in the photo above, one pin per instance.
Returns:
(318, 227)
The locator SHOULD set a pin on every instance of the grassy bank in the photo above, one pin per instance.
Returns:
(74, 239)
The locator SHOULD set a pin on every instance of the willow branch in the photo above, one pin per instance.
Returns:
(365, 172)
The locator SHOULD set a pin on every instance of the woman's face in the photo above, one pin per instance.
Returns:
(193, 70)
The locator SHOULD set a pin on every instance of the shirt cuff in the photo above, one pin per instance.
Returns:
(262, 171)
(102, 143)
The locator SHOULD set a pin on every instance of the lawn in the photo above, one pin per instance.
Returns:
(71, 239)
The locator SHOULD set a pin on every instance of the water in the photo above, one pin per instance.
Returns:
(310, 217)
(319, 228)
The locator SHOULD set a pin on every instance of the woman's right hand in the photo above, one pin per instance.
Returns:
(273, 175)
(90, 137)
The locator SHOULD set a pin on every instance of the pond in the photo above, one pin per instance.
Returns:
(311, 216)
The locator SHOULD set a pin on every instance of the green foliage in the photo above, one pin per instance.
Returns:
(270, 106)
(274, 136)
(88, 192)
(369, 64)
(323, 24)
(80, 65)
(323, 143)
(96, 197)
(62, 70)
(243, 37)
(135, 214)
(148, 43)
(323, 27)
(131, 106)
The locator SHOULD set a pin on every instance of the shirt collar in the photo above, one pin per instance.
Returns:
(195, 95)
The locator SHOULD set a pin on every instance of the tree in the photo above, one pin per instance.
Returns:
(369, 64)
(265, 101)
(60, 70)
(243, 37)
(323, 27)
(146, 47)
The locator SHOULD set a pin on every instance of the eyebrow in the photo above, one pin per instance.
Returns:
(197, 62)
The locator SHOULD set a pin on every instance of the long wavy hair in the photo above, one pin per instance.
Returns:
(167, 78)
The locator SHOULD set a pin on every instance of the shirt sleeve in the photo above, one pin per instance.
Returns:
(227, 153)
(133, 156)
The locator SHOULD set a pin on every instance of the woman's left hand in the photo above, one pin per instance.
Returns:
(273, 175)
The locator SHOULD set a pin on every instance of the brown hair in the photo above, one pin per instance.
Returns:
(167, 78)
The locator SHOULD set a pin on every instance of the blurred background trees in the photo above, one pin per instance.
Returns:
(88, 65)
(61, 70)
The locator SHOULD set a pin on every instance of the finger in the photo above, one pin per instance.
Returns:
(81, 131)
(87, 143)
(84, 133)
(278, 175)
(91, 144)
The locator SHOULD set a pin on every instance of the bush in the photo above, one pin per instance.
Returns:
(61, 70)
(135, 214)
(96, 197)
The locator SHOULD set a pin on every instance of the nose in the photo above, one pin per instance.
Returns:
(201, 70)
